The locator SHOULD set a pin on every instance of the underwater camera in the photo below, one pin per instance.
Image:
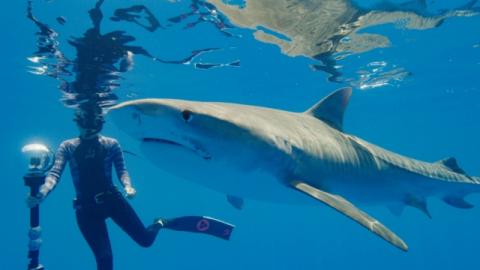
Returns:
(40, 158)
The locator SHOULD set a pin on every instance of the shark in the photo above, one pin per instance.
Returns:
(280, 156)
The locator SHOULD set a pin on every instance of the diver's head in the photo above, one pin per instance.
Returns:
(89, 123)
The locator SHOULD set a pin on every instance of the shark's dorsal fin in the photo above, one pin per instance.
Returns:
(331, 108)
(451, 164)
(348, 209)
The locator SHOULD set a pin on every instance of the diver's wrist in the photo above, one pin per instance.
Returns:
(42, 193)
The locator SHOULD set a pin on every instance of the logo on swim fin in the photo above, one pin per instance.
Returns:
(203, 225)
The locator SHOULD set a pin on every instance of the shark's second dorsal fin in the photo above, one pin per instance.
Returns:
(451, 164)
(331, 108)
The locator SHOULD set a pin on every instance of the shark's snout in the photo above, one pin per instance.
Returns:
(128, 119)
(154, 123)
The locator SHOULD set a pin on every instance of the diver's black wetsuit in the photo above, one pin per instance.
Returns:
(97, 197)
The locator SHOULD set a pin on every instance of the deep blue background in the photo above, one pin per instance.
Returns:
(431, 115)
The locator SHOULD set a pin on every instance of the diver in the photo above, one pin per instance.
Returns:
(91, 157)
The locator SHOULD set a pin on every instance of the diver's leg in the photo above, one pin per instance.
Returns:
(124, 215)
(94, 230)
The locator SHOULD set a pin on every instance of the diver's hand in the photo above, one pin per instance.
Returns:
(33, 201)
(130, 192)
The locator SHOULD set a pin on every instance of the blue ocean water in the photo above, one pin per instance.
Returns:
(429, 111)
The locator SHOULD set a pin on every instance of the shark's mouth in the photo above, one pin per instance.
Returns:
(194, 148)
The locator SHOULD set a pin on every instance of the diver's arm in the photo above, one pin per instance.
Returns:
(121, 170)
(53, 176)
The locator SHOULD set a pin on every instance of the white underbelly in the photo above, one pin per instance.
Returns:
(221, 176)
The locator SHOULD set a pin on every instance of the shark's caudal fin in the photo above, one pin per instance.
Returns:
(331, 108)
(345, 207)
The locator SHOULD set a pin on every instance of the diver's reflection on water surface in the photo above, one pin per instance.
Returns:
(89, 80)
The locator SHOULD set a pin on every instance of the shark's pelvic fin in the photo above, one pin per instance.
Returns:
(396, 209)
(451, 164)
(235, 202)
(457, 202)
(419, 203)
(331, 108)
(345, 207)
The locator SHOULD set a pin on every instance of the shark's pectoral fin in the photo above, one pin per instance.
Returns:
(345, 207)
(235, 202)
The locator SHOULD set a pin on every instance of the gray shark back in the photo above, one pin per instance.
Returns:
(445, 170)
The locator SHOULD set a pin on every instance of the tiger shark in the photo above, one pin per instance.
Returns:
(288, 157)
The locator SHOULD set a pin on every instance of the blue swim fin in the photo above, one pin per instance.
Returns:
(200, 224)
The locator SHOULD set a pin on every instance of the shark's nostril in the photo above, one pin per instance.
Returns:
(187, 115)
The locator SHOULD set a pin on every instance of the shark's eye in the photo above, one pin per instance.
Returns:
(187, 115)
